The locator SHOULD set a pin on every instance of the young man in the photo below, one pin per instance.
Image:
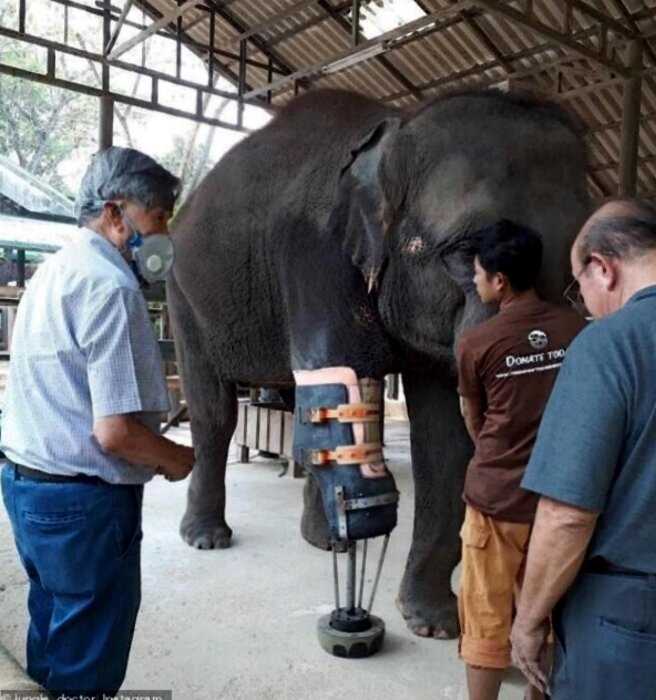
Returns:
(507, 367)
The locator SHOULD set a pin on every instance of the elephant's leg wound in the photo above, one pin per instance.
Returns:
(337, 439)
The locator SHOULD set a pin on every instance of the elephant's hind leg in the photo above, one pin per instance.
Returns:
(213, 413)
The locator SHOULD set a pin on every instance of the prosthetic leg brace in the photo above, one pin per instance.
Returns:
(337, 439)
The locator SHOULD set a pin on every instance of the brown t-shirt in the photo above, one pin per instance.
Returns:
(509, 364)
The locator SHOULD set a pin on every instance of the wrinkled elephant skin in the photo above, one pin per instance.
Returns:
(336, 236)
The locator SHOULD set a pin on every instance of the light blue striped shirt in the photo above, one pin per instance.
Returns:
(83, 348)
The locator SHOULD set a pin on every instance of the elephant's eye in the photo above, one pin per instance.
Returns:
(414, 245)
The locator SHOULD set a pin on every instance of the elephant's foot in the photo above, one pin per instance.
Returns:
(436, 621)
(204, 531)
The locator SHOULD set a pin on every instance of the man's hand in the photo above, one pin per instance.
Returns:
(530, 652)
(126, 437)
(561, 535)
(180, 467)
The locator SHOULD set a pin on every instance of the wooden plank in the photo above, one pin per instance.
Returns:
(240, 430)
(276, 431)
(288, 434)
(251, 426)
(263, 428)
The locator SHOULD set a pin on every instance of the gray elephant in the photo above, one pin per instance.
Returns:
(338, 236)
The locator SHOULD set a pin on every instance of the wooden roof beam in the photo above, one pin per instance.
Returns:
(273, 20)
(162, 22)
(566, 41)
(604, 19)
(256, 41)
(599, 128)
(340, 9)
(468, 17)
(222, 68)
(594, 179)
(119, 26)
(363, 51)
(623, 10)
(389, 67)
(486, 41)
(615, 165)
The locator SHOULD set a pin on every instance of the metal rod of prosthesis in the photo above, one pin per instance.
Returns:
(350, 576)
(364, 566)
(380, 568)
(336, 578)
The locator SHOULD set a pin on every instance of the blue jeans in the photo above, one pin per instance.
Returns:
(605, 635)
(80, 544)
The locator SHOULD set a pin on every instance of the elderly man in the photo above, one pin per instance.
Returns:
(80, 426)
(592, 555)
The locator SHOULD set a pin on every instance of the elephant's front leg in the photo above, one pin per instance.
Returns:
(441, 450)
(337, 439)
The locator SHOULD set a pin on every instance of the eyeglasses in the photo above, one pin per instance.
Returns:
(573, 290)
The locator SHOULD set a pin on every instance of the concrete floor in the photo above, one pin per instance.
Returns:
(240, 623)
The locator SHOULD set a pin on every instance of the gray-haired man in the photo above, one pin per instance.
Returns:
(85, 394)
(592, 560)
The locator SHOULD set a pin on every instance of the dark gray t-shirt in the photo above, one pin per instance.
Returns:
(596, 446)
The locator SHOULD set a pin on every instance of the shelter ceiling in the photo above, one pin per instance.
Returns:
(575, 51)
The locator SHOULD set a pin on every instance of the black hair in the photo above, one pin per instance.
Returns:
(625, 236)
(511, 249)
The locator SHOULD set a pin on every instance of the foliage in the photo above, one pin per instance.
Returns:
(50, 132)
(40, 126)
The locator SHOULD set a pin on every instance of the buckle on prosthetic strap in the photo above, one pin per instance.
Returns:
(345, 413)
(368, 453)
(356, 506)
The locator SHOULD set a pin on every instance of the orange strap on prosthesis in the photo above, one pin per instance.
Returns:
(347, 413)
(365, 453)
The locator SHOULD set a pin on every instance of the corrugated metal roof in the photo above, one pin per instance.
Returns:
(465, 49)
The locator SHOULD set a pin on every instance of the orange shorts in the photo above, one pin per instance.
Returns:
(493, 558)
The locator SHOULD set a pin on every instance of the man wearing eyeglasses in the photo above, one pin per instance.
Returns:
(592, 557)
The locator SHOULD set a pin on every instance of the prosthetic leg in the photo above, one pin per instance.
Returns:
(337, 439)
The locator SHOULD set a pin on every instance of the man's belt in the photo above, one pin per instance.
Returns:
(37, 475)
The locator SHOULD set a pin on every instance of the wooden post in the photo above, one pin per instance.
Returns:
(355, 20)
(106, 126)
(20, 268)
(631, 123)
(106, 131)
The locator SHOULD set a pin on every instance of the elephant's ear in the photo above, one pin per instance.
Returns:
(363, 206)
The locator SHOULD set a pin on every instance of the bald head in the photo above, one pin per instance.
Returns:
(624, 229)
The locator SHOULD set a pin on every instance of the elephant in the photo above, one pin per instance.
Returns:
(339, 235)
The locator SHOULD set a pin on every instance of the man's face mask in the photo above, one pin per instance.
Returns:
(151, 257)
